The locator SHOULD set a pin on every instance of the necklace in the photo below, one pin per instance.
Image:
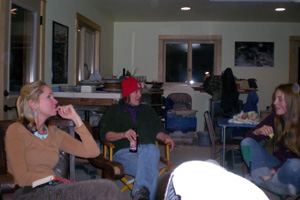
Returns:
(44, 136)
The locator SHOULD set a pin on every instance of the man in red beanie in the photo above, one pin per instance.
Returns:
(127, 121)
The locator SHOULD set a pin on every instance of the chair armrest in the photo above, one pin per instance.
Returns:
(110, 146)
(7, 184)
(166, 158)
(167, 147)
(161, 142)
(110, 169)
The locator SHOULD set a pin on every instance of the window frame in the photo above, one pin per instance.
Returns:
(209, 39)
(79, 55)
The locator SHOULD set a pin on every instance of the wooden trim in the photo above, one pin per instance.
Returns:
(160, 60)
(190, 37)
(76, 61)
(97, 29)
(294, 45)
(42, 40)
(218, 58)
(87, 22)
(2, 50)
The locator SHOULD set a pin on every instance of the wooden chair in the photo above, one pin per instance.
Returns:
(7, 185)
(128, 180)
(68, 126)
(217, 144)
(110, 169)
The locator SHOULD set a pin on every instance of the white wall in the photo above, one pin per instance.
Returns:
(64, 12)
(144, 55)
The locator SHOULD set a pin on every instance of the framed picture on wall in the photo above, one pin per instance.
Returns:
(254, 54)
(60, 53)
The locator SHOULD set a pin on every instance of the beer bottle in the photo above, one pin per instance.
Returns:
(134, 144)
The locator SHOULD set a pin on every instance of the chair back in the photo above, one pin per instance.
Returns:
(211, 131)
(178, 98)
(63, 168)
(4, 124)
(7, 185)
(210, 127)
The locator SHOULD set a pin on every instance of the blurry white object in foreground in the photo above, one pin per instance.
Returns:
(196, 180)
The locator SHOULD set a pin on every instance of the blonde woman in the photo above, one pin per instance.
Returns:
(32, 148)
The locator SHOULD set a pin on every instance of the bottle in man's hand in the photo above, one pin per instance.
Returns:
(134, 144)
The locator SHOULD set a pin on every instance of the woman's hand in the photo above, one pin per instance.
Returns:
(68, 112)
(264, 130)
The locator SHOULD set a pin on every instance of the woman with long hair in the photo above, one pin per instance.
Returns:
(279, 172)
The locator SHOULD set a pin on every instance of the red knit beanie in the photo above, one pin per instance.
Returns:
(129, 85)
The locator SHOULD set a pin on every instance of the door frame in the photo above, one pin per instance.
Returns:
(38, 72)
(294, 43)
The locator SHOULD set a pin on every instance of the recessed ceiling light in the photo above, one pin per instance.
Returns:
(185, 8)
(280, 9)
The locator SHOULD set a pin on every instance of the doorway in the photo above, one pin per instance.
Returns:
(21, 33)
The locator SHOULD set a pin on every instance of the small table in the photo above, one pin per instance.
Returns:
(223, 122)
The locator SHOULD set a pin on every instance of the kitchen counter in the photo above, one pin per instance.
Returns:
(98, 98)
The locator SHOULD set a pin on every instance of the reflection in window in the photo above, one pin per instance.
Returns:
(21, 46)
(202, 61)
(87, 51)
(186, 59)
(87, 48)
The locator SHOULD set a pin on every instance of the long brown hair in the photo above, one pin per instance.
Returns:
(290, 130)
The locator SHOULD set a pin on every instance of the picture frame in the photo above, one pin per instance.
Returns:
(254, 54)
(60, 39)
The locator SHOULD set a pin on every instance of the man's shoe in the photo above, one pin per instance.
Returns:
(142, 193)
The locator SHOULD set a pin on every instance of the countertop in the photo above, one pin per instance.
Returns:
(89, 95)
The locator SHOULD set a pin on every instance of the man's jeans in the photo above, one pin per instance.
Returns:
(143, 165)
(263, 161)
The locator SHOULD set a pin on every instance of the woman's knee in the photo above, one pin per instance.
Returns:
(293, 165)
(248, 142)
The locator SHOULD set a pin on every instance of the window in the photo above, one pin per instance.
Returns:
(88, 47)
(186, 59)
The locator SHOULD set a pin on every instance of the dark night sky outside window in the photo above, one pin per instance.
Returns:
(176, 62)
(203, 61)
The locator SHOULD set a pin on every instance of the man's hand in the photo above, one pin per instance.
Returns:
(166, 138)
